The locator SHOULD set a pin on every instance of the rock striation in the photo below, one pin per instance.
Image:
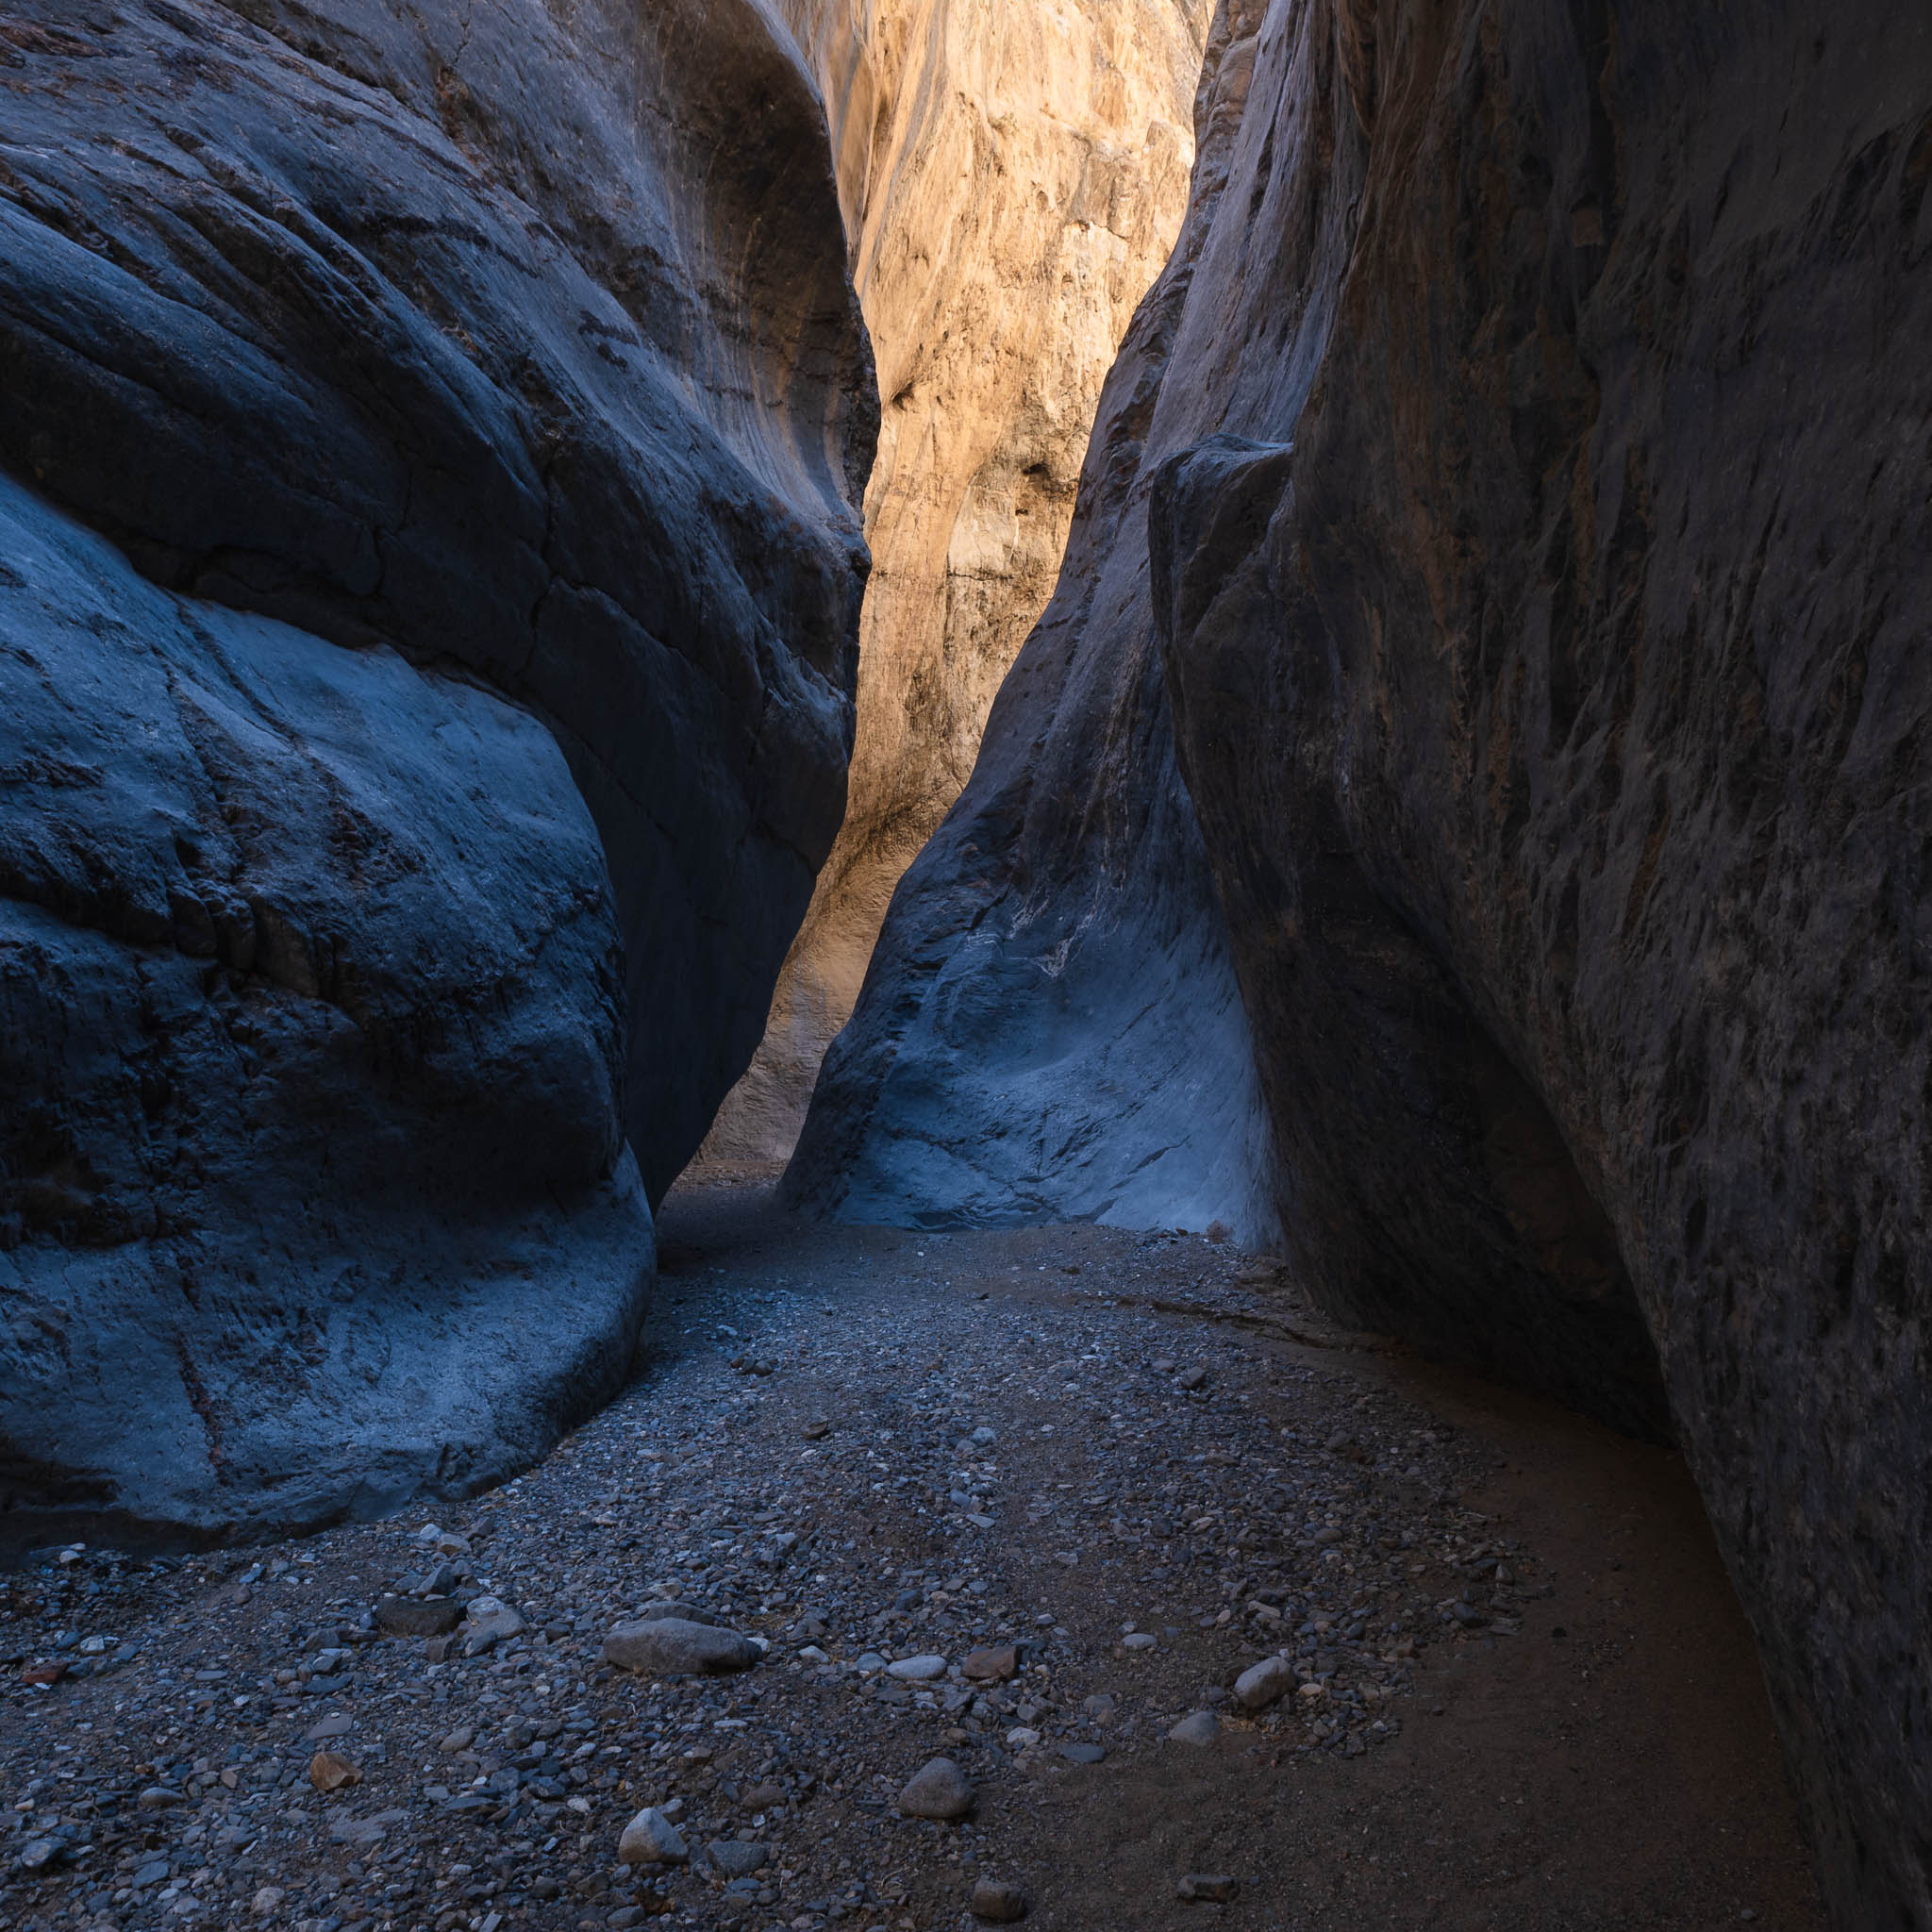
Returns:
(1013, 178)
(429, 598)
(1527, 502)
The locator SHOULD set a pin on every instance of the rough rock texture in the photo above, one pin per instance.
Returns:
(1540, 540)
(1051, 1025)
(500, 375)
(1013, 177)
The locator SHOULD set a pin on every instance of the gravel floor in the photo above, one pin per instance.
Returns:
(1136, 1463)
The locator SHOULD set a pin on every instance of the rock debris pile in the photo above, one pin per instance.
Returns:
(797, 1648)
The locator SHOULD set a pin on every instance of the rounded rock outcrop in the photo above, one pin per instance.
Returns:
(433, 439)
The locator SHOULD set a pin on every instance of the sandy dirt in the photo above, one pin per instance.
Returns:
(1523, 1695)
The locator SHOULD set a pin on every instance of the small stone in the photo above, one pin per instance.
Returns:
(1208, 1884)
(489, 1622)
(403, 1616)
(984, 1435)
(39, 1853)
(1023, 1737)
(939, 1789)
(43, 1673)
(158, 1798)
(765, 1797)
(267, 1898)
(1083, 1754)
(459, 1740)
(1265, 1683)
(336, 1725)
(1140, 1639)
(816, 1431)
(330, 1773)
(1193, 1378)
(671, 1647)
(1198, 1727)
(998, 1902)
(650, 1838)
(735, 1860)
(917, 1670)
(990, 1665)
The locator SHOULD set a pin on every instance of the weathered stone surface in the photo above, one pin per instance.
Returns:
(650, 1838)
(1548, 649)
(1013, 178)
(998, 1901)
(1199, 1727)
(1260, 1685)
(1051, 1024)
(938, 1790)
(403, 1616)
(1539, 520)
(670, 1647)
(405, 821)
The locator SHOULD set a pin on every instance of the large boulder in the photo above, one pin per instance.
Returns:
(1532, 505)
(1013, 178)
(407, 809)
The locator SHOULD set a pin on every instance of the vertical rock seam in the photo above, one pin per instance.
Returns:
(1013, 177)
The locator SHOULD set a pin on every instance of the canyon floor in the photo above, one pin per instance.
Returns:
(1524, 1696)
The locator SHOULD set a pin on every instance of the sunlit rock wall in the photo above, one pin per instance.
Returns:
(1051, 1024)
(1013, 177)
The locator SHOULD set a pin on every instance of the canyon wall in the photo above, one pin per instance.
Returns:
(1521, 490)
(429, 596)
(1012, 177)
(1051, 1024)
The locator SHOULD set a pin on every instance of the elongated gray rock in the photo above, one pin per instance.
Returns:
(404, 818)
(671, 1647)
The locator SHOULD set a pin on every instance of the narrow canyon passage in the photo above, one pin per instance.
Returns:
(1032, 1500)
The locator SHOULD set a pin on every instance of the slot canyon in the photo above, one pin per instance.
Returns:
(962, 964)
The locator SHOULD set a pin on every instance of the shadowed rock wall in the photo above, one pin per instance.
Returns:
(1013, 177)
(405, 812)
(1538, 545)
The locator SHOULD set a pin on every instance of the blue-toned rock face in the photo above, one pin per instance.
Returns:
(310, 1042)
(427, 633)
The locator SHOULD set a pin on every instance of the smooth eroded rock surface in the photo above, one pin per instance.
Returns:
(1546, 624)
(404, 820)
(671, 1647)
(1013, 177)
